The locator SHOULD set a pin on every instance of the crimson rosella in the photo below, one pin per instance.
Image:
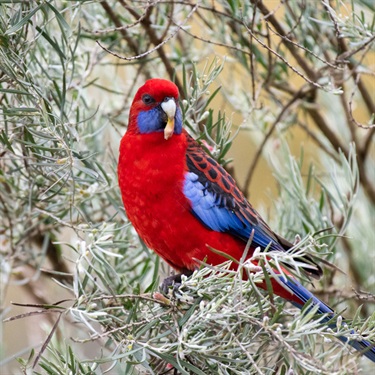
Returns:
(183, 203)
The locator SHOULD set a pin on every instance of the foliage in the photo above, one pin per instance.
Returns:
(68, 72)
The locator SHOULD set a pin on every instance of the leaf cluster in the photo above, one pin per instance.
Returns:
(68, 72)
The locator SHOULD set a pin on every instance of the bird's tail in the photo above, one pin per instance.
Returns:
(301, 294)
(364, 347)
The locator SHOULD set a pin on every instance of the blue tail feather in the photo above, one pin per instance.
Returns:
(364, 347)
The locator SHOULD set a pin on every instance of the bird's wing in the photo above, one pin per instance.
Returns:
(218, 203)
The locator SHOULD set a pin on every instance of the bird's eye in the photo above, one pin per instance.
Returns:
(148, 99)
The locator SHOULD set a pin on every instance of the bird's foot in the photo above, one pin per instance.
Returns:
(173, 282)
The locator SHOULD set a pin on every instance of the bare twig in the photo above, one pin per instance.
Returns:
(158, 44)
(318, 141)
(124, 27)
(124, 33)
(310, 73)
(299, 95)
(46, 342)
(344, 49)
(285, 61)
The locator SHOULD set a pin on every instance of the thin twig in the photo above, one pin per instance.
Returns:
(311, 74)
(127, 26)
(298, 45)
(318, 141)
(47, 341)
(299, 95)
(343, 47)
(285, 61)
(155, 48)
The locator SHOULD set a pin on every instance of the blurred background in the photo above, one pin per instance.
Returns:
(282, 93)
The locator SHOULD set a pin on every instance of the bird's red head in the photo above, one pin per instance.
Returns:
(155, 109)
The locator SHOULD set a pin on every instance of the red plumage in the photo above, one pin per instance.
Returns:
(151, 174)
(182, 203)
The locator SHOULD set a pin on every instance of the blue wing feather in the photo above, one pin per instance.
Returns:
(221, 211)
(218, 203)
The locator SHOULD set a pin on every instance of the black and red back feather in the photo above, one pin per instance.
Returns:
(219, 204)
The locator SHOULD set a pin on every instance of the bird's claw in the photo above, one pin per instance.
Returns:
(171, 282)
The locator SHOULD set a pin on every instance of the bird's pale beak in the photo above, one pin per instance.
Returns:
(169, 107)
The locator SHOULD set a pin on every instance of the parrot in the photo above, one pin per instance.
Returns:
(183, 203)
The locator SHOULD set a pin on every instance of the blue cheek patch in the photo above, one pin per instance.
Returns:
(152, 121)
